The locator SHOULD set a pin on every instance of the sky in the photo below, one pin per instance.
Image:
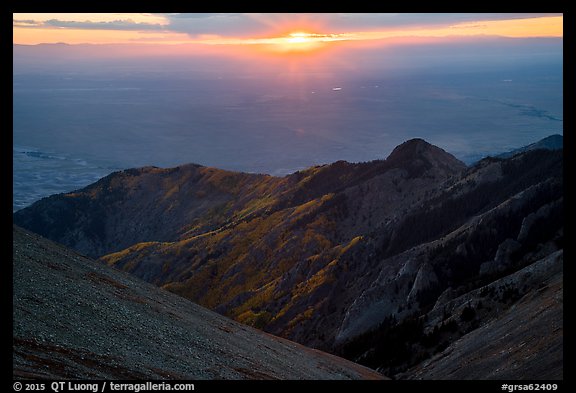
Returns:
(282, 32)
(272, 93)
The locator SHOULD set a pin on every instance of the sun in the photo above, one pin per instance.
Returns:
(295, 42)
(299, 37)
(285, 42)
(298, 41)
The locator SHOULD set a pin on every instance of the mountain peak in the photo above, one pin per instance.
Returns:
(419, 153)
(411, 149)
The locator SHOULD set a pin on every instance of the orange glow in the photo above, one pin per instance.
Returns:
(290, 43)
(288, 37)
(296, 42)
(514, 28)
(28, 36)
(301, 42)
(536, 27)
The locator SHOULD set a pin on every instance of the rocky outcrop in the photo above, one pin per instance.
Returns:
(524, 342)
(503, 259)
(426, 280)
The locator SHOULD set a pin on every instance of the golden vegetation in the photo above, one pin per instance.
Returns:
(234, 260)
(112, 259)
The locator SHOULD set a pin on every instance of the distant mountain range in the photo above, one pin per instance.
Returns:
(405, 264)
(552, 142)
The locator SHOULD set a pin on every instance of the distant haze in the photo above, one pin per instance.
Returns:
(82, 111)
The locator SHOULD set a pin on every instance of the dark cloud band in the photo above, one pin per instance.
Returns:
(126, 24)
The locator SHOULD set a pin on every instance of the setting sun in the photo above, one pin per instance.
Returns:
(299, 37)
(298, 41)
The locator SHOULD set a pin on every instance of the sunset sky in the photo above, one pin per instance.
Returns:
(281, 32)
(274, 93)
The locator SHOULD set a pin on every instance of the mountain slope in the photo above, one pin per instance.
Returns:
(524, 342)
(279, 237)
(279, 270)
(352, 258)
(75, 318)
(154, 204)
(552, 142)
(146, 204)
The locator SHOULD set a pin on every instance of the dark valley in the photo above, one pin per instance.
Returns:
(416, 266)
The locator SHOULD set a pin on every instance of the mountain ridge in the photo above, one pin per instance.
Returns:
(552, 142)
(213, 189)
(334, 254)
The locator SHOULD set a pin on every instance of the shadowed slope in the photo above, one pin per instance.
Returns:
(524, 343)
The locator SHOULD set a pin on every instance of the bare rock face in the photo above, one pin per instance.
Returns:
(525, 342)
(76, 318)
(531, 223)
(503, 259)
(425, 280)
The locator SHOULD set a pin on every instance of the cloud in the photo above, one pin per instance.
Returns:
(25, 23)
(220, 24)
(373, 21)
(120, 24)
(196, 15)
(257, 24)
